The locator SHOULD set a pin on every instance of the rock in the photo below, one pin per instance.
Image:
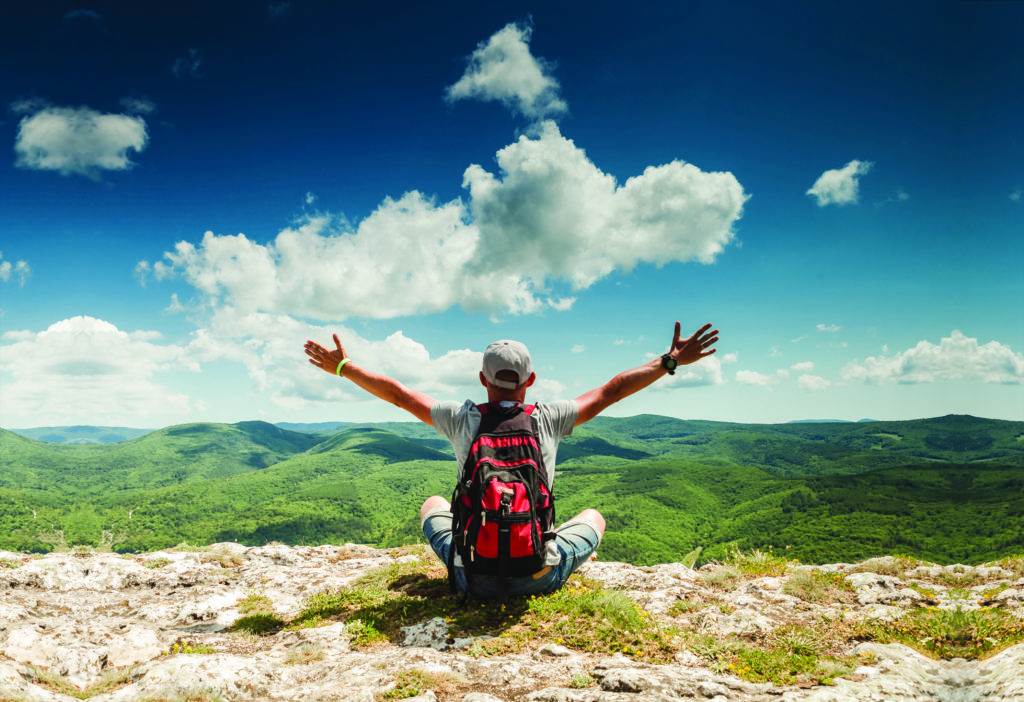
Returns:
(137, 645)
(76, 618)
(554, 650)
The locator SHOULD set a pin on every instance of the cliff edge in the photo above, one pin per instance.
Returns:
(355, 623)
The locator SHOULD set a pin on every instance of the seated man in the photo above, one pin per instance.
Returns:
(506, 374)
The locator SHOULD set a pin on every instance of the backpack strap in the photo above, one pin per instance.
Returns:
(529, 409)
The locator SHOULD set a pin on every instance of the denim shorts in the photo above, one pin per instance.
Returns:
(576, 541)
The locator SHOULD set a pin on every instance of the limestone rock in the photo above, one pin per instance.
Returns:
(86, 619)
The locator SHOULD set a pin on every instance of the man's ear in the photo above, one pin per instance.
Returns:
(483, 379)
(530, 381)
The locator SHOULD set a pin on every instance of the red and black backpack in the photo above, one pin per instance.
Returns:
(503, 511)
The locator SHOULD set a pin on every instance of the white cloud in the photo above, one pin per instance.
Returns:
(503, 69)
(803, 366)
(1016, 195)
(578, 348)
(813, 382)
(828, 328)
(141, 272)
(955, 357)
(310, 198)
(550, 215)
(774, 352)
(749, 377)
(78, 141)
(188, 65)
(138, 105)
(19, 270)
(707, 371)
(797, 340)
(839, 186)
(175, 306)
(732, 357)
(270, 348)
(86, 370)
(619, 342)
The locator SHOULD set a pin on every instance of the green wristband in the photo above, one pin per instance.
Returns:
(341, 364)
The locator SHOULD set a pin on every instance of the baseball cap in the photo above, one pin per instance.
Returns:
(507, 355)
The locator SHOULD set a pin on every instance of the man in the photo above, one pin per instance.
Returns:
(506, 374)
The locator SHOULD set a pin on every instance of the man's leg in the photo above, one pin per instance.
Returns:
(577, 540)
(588, 516)
(438, 504)
(436, 522)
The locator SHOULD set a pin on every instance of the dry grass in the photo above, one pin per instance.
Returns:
(305, 654)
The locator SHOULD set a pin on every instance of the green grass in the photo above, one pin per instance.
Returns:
(255, 604)
(582, 615)
(261, 624)
(947, 634)
(790, 655)
(190, 648)
(416, 681)
(818, 586)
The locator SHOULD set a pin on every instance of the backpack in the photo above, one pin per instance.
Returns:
(503, 511)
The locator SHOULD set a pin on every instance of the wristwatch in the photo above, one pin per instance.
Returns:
(669, 364)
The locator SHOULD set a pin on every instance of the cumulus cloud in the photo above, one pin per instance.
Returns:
(828, 328)
(1015, 196)
(78, 141)
(803, 366)
(578, 348)
(749, 377)
(839, 186)
(188, 65)
(270, 348)
(707, 371)
(550, 215)
(309, 198)
(955, 357)
(18, 270)
(813, 382)
(86, 370)
(503, 69)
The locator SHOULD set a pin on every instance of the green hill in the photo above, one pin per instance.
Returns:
(946, 489)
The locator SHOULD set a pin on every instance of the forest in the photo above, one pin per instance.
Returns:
(947, 489)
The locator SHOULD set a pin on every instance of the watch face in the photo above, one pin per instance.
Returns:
(670, 363)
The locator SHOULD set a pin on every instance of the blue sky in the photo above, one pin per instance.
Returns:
(895, 291)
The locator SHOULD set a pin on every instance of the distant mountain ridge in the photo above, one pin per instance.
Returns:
(947, 488)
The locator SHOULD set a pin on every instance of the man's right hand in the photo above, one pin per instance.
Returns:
(326, 359)
(694, 347)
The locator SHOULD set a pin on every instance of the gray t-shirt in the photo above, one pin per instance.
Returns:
(459, 424)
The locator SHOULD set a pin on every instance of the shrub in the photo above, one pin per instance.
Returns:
(949, 633)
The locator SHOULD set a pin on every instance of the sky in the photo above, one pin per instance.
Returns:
(192, 190)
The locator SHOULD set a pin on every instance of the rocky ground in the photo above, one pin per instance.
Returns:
(229, 622)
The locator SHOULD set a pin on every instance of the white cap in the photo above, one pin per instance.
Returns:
(507, 355)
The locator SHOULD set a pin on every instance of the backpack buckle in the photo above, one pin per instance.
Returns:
(506, 501)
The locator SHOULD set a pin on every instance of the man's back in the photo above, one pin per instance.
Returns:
(459, 423)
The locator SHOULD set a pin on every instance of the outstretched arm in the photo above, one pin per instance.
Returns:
(382, 386)
(685, 351)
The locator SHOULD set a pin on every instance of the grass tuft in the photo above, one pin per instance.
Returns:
(416, 681)
(154, 563)
(190, 648)
(791, 655)
(304, 654)
(261, 624)
(255, 604)
(949, 633)
(818, 586)
(758, 563)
